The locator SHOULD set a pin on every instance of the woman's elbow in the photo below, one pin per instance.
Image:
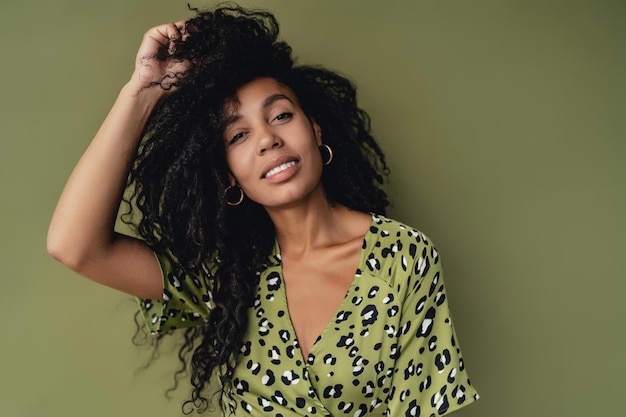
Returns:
(62, 250)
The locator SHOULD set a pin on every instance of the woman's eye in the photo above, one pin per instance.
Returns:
(283, 116)
(236, 138)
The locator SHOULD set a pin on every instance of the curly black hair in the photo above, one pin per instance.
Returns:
(179, 176)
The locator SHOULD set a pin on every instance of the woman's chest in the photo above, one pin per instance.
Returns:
(315, 288)
(350, 364)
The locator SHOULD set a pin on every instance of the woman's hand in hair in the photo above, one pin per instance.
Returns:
(156, 64)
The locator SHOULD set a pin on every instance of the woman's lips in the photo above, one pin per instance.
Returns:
(279, 169)
(278, 165)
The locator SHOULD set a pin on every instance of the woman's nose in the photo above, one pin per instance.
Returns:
(269, 141)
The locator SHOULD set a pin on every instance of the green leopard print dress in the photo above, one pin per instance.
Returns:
(390, 350)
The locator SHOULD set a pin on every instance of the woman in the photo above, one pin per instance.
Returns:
(256, 181)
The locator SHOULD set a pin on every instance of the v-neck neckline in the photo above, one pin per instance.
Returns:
(327, 327)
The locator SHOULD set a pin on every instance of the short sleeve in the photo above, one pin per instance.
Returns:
(187, 297)
(430, 378)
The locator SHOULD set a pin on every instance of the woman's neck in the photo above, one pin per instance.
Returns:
(317, 224)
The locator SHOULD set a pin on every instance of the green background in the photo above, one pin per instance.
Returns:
(503, 123)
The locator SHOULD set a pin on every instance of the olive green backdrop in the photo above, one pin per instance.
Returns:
(504, 127)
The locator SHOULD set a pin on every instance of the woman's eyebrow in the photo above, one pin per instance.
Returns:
(266, 103)
(274, 98)
(231, 119)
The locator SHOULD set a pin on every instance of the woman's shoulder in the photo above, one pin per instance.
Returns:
(400, 236)
(397, 253)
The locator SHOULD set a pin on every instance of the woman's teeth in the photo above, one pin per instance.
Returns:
(279, 168)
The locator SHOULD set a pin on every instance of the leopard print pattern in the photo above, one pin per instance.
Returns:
(390, 350)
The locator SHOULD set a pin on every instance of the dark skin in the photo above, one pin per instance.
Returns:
(316, 284)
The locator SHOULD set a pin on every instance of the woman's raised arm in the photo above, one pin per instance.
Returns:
(81, 234)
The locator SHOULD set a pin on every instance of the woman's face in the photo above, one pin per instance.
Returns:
(272, 147)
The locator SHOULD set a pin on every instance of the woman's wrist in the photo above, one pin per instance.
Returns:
(146, 97)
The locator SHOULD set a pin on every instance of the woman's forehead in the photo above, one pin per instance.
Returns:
(261, 92)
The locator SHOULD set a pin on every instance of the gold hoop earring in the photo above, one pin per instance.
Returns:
(230, 196)
(330, 154)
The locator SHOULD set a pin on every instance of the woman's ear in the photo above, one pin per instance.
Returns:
(231, 179)
(317, 130)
